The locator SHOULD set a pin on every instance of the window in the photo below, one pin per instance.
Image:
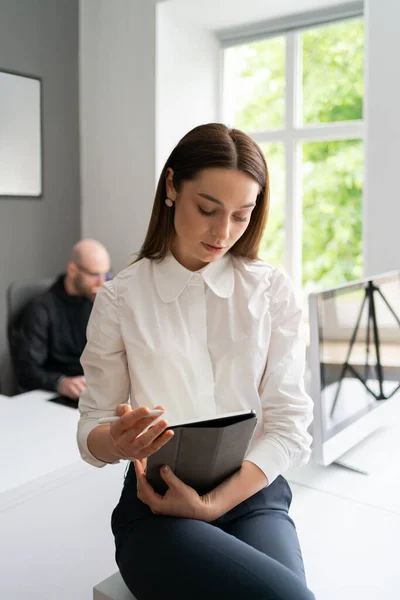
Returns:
(300, 96)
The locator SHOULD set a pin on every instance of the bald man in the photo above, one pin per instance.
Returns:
(52, 333)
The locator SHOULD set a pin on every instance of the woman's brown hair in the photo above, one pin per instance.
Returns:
(205, 147)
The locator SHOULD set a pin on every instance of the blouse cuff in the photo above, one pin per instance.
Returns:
(268, 457)
(84, 428)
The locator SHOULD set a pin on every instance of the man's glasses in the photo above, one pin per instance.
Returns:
(98, 276)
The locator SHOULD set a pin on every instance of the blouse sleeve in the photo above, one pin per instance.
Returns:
(105, 367)
(287, 409)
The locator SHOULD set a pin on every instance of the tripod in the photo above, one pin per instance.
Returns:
(372, 327)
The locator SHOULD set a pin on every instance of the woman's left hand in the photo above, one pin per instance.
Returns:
(180, 500)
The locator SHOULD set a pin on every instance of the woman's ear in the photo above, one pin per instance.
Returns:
(169, 185)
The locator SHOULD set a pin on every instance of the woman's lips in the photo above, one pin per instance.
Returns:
(213, 248)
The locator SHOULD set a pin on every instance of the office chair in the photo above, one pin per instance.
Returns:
(19, 295)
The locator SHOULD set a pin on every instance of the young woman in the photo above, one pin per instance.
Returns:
(199, 326)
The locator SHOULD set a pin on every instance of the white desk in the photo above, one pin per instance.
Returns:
(55, 535)
(37, 437)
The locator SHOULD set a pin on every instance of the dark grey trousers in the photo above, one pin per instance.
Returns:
(251, 552)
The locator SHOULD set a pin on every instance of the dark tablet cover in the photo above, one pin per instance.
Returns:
(204, 453)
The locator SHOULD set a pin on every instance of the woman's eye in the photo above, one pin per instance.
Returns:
(204, 212)
(209, 213)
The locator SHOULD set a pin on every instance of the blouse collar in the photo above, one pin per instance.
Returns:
(171, 277)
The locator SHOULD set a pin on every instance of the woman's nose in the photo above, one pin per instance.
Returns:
(220, 231)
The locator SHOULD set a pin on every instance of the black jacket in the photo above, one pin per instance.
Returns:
(50, 338)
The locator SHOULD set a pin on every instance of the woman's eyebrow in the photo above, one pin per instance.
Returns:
(212, 199)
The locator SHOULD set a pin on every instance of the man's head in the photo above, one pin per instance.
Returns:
(87, 269)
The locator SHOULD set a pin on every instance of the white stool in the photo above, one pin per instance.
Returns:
(112, 588)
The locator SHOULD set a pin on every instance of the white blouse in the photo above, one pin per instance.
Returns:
(223, 339)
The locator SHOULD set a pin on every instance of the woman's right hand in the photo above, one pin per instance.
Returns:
(127, 433)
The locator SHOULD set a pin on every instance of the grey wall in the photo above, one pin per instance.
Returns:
(117, 107)
(41, 37)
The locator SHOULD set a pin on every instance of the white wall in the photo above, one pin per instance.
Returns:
(187, 78)
(117, 103)
(382, 106)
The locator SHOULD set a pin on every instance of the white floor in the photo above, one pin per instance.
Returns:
(349, 548)
(56, 543)
(349, 523)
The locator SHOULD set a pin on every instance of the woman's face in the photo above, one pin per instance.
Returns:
(211, 213)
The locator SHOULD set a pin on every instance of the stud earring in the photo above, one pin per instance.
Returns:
(169, 202)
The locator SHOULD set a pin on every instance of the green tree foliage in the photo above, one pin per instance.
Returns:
(333, 72)
(332, 171)
(273, 243)
(332, 213)
(258, 69)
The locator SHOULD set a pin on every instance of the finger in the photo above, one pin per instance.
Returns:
(126, 423)
(140, 496)
(138, 436)
(159, 442)
(131, 419)
(123, 409)
(170, 478)
(145, 492)
(143, 463)
(138, 467)
(74, 392)
(147, 444)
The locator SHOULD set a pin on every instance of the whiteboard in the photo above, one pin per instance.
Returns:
(20, 136)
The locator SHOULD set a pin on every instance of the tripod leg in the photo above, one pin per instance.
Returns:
(368, 340)
(379, 369)
(388, 305)
(346, 363)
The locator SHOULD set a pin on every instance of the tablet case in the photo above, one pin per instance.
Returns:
(204, 453)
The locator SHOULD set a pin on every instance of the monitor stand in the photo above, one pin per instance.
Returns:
(374, 453)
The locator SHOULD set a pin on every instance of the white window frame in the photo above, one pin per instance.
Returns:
(293, 134)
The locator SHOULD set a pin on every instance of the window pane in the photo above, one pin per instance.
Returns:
(333, 72)
(272, 246)
(254, 85)
(332, 213)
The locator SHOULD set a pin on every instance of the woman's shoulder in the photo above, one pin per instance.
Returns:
(133, 277)
(260, 272)
(255, 269)
(136, 271)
